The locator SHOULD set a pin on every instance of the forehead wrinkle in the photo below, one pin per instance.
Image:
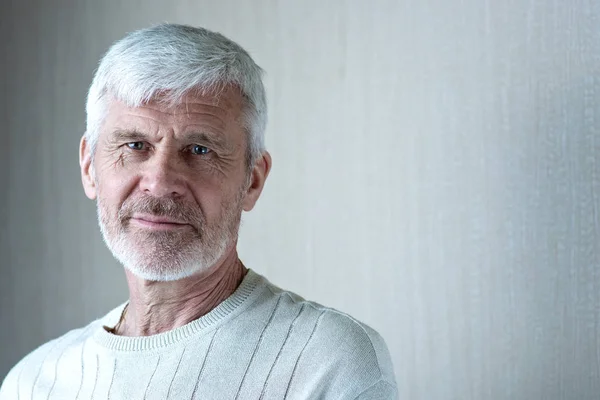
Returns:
(211, 118)
(184, 108)
(173, 115)
(204, 121)
(219, 103)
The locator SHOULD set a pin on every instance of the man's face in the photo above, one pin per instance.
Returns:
(171, 183)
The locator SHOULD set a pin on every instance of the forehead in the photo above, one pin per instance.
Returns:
(221, 111)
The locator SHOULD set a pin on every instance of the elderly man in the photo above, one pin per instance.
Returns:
(172, 154)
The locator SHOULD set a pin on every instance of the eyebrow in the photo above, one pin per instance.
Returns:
(132, 135)
(127, 135)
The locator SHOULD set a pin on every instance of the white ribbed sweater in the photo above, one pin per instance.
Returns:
(260, 343)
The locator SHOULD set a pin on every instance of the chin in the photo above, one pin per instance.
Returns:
(163, 274)
(168, 267)
(166, 264)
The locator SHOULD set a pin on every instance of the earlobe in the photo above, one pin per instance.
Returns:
(87, 169)
(260, 172)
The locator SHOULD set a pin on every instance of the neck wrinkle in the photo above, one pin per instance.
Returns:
(158, 307)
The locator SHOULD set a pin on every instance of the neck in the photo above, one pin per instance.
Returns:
(156, 307)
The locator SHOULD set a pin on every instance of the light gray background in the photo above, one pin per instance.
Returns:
(434, 175)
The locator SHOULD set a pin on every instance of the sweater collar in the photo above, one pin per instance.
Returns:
(250, 288)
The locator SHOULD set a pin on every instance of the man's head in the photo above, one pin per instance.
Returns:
(174, 148)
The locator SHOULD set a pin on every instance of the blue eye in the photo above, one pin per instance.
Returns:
(199, 150)
(136, 145)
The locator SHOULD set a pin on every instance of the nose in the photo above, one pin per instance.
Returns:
(161, 176)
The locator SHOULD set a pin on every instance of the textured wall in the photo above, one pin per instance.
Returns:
(435, 175)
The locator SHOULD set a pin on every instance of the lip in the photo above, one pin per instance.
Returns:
(155, 222)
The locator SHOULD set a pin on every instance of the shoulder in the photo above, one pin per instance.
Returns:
(26, 371)
(350, 355)
(352, 345)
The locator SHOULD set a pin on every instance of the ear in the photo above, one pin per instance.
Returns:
(260, 172)
(87, 169)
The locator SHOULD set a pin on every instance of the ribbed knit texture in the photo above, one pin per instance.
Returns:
(260, 343)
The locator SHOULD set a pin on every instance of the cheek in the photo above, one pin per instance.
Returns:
(209, 199)
(215, 200)
(113, 188)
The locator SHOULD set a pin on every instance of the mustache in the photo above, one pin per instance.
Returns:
(162, 207)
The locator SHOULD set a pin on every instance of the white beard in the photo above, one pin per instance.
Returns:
(168, 255)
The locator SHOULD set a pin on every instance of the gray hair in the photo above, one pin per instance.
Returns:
(172, 60)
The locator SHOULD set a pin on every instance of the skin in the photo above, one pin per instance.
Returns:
(194, 152)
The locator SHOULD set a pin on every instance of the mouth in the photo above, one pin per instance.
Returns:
(158, 223)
